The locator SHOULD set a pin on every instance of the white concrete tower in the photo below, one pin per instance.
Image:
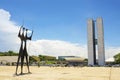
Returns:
(91, 42)
(100, 42)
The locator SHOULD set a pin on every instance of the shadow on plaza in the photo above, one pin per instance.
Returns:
(22, 74)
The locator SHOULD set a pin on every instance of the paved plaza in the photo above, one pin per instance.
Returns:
(62, 73)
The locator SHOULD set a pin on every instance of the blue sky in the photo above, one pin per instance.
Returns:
(65, 20)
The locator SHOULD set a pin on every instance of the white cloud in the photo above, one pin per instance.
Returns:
(62, 48)
(10, 41)
(6, 25)
(56, 48)
(8, 32)
(5, 15)
(111, 51)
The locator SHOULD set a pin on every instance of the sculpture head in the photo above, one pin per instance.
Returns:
(23, 28)
(26, 29)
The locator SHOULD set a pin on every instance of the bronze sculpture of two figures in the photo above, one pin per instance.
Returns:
(23, 49)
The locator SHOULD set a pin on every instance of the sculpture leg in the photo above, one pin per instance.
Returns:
(22, 63)
(17, 64)
(27, 63)
(19, 56)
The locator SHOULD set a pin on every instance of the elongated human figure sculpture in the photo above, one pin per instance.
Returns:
(23, 49)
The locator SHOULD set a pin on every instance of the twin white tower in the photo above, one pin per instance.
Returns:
(95, 42)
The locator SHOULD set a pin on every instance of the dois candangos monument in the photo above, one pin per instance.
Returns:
(23, 48)
(95, 41)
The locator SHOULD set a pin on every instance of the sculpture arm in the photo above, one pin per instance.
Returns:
(19, 35)
(30, 36)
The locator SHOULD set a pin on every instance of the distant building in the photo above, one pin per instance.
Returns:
(95, 31)
(72, 60)
(63, 57)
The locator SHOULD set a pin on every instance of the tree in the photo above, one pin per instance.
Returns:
(117, 58)
(9, 53)
(42, 58)
(34, 59)
(47, 58)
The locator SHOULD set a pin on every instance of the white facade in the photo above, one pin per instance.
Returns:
(100, 36)
(90, 33)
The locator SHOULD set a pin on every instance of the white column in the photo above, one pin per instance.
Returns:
(100, 35)
(90, 34)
